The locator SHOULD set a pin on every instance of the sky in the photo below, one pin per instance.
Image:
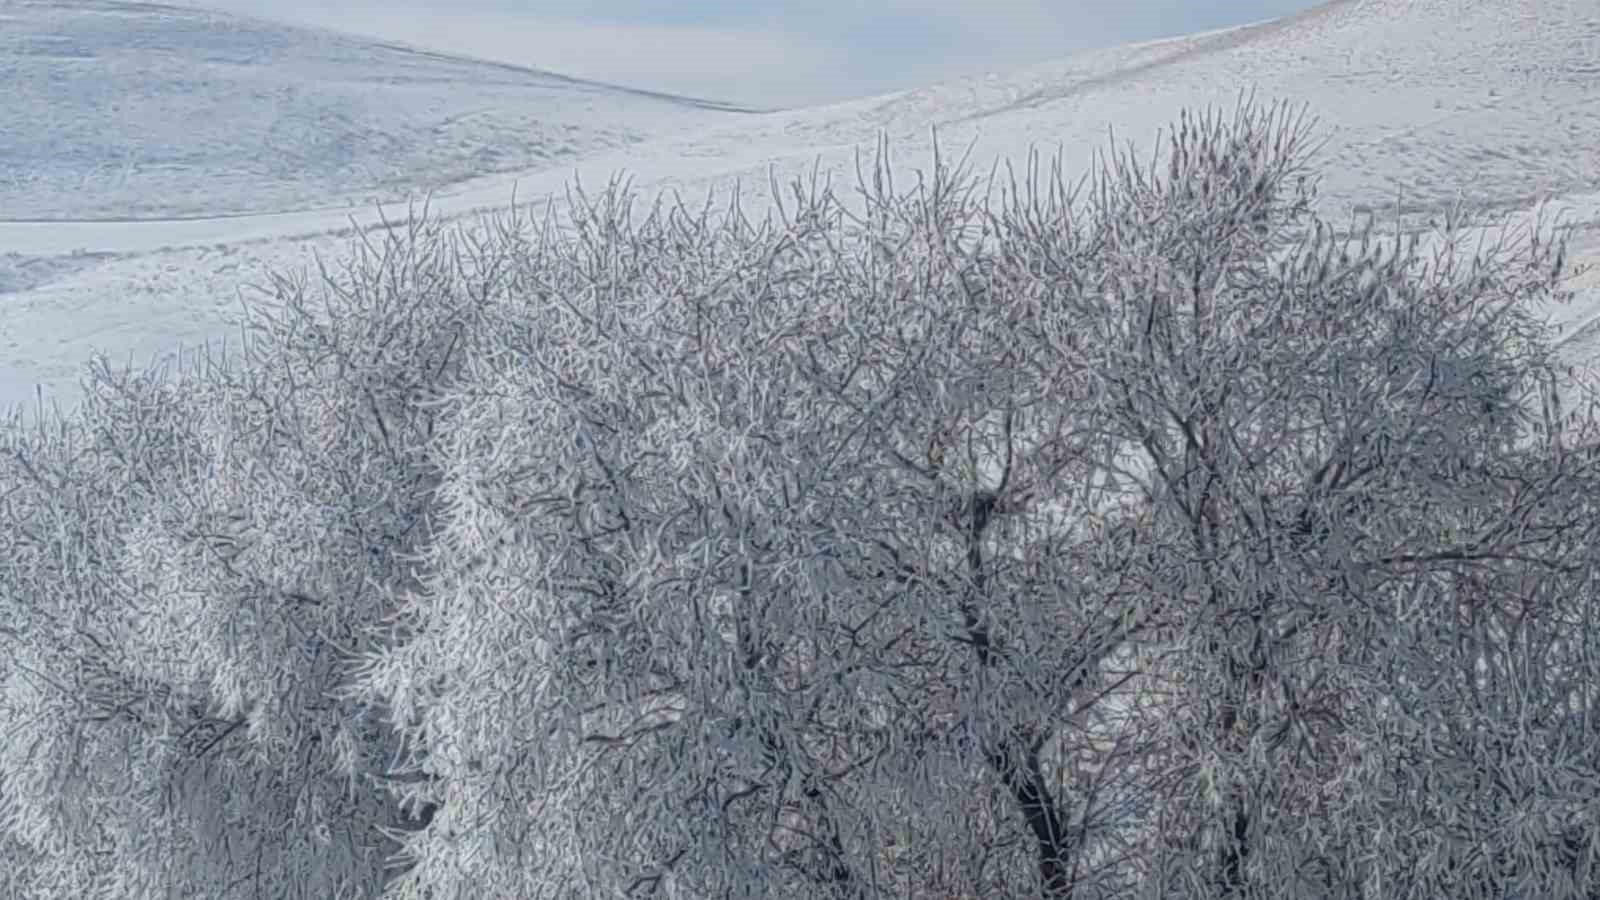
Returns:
(768, 53)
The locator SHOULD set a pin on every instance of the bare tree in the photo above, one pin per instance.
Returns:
(894, 547)
(1369, 511)
(1138, 536)
(188, 567)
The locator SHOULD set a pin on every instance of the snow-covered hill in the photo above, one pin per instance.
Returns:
(135, 110)
(1422, 101)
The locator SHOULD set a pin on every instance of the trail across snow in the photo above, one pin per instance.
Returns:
(1425, 101)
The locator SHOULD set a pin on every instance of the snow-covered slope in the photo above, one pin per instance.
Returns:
(134, 110)
(1495, 103)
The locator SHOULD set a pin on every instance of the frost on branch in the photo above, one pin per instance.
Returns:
(1103, 541)
(1138, 536)
(188, 568)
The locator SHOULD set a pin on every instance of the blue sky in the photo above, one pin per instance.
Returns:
(770, 52)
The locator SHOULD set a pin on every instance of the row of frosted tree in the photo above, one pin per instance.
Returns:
(1140, 535)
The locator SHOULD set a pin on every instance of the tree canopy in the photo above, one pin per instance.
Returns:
(1143, 535)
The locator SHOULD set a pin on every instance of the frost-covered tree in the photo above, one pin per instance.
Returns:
(1141, 539)
(1370, 521)
(1134, 537)
(187, 568)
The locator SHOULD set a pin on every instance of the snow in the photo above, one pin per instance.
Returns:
(136, 110)
(1425, 101)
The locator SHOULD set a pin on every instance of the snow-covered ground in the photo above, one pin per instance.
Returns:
(133, 110)
(1425, 101)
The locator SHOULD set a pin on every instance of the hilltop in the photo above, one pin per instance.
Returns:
(140, 111)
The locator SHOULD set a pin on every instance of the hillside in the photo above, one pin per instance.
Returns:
(1422, 101)
(1493, 103)
(137, 110)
